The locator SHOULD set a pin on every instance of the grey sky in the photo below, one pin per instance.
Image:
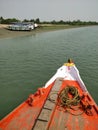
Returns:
(48, 10)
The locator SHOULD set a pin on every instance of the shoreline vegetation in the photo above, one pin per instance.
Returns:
(44, 26)
(5, 33)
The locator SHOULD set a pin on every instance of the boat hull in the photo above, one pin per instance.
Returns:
(44, 109)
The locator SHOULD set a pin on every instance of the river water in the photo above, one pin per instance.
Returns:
(26, 63)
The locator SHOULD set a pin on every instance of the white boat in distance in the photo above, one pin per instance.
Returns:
(22, 26)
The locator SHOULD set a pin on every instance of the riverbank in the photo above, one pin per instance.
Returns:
(5, 33)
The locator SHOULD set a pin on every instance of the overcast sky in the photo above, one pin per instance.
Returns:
(48, 10)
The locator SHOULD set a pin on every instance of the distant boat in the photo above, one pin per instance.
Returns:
(22, 26)
(64, 103)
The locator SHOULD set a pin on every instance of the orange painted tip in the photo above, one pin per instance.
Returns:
(69, 63)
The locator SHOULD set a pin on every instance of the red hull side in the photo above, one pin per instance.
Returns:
(25, 117)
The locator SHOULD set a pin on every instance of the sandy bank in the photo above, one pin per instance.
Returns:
(5, 33)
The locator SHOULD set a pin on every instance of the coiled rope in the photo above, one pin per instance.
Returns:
(69, 96)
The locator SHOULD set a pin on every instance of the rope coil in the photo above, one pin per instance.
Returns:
(69, 96)
(70, 100)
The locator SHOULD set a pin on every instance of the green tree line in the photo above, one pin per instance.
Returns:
(75, 22)
(11, 20)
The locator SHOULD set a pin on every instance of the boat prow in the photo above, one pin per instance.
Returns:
(63, 103)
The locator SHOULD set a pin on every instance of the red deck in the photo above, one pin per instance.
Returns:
(68, 119)
(39, 113)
